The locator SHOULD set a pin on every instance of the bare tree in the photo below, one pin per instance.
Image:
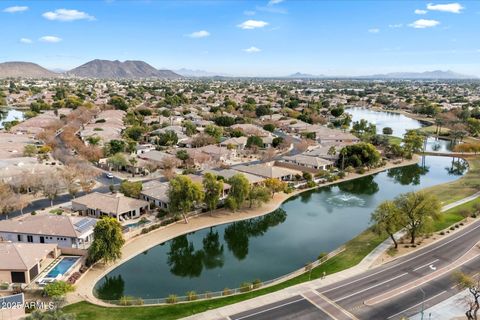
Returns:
(8, 200)
(168, 166)
(51, 186)
(471, 301)
(269, 154)
(69, 175)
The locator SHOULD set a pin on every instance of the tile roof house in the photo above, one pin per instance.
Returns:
(66, 231)
(312, 162)
(269, 171)
(22, 262)
(116, 205)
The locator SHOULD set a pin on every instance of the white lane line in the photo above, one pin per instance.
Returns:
(408, 260)
(425, 265)
(371, 287)
(418, 304)
(269, 309)
(348, 314)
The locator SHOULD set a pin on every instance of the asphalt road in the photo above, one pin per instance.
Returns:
(347, 297)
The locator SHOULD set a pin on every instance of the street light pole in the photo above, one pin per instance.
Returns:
(423, 303)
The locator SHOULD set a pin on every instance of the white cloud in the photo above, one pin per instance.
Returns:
(420, 11)
(273, 2)
(252, 24)
(252, 50)
(447, 7)
(199, 34)
(26, 40)
(424, 23)
(67, 15)
(15, 9)
(51, 39)
(374, 30)
(397, 25)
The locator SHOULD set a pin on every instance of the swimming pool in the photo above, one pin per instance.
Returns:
(62, 267)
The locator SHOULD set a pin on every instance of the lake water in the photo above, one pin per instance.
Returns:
(399, 124)
(9, 115)
(273, 245)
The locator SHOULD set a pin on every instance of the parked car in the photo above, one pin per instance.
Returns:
(109, 175)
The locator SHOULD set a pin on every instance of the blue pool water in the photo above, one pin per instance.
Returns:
(62, 267)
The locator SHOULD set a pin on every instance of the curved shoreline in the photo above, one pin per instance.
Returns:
(140, 243)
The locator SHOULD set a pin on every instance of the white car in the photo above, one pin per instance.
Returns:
(109, 175)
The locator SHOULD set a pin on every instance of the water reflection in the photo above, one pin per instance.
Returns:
(409, 175)
(213, 249)
(183, 259)
(112, 287)
(238, 233)
(458, 167)
(365, 185)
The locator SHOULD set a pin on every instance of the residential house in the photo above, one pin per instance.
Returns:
(269, 171)
(311, 162)
(115, 205)
(156, 193)
(236, 143)
(66, 231)
(228, 173)
(22, 262)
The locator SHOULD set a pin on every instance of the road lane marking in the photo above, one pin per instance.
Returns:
(319, 307)
(424, 279)
(415, 256)
(418, 304)
(426, 264)
(335, 305)
(371, 287)
(270, 309)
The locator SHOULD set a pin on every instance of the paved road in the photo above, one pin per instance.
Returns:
(345, 299)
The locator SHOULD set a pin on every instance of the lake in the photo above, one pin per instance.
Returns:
(272, 245)
(399, 124)
(9, 115)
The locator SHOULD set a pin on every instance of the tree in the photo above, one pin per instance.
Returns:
(115, 146)
(135, 132)
(332, 151)
(418, 210)
(386, 219)
(254, 141)
(277, 141)
(8, 199)
(118, 102)
(58, 289)
(239, 189)
(29, 150)
(214, 131)
(337, 112)
(107, 241)
(168, 138)
(258, 195)
(69, 176)
(131, 189)
(190, 128)
(183, 194)
(472, 284)
(360, 154)
(51, 186)
(213, 189)
(274, 185)
(412, 142)
(117, 161)
(269, 127)
(387, 131)
(168, 165)
(183, 155)
(262, 110)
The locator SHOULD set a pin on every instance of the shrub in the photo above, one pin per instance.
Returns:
(226, 292)
(4, 286)
(256, 283)
(452, 228)
(322, 255)
(208, 295)
(342, 174)
(311, 184)
(361, 170)
(191, 296)
(33, 213)
(172, 298)
(245, 287)
(349, 169)
(58, 289)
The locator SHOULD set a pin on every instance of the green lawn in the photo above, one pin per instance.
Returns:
(461, 188)
(355, 250)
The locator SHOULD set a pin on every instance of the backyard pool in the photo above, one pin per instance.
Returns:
(62, 267)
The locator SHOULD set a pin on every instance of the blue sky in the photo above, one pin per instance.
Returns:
(247, 37)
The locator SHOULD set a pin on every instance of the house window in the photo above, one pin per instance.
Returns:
(19, 237)
(30, 238)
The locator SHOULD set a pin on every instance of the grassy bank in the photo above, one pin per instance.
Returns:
(461, 188)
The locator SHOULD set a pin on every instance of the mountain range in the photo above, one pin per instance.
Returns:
(101, 69)
(131, 69)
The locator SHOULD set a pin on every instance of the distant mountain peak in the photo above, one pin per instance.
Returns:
(129, 69)
(426, 75)
(21, 69)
